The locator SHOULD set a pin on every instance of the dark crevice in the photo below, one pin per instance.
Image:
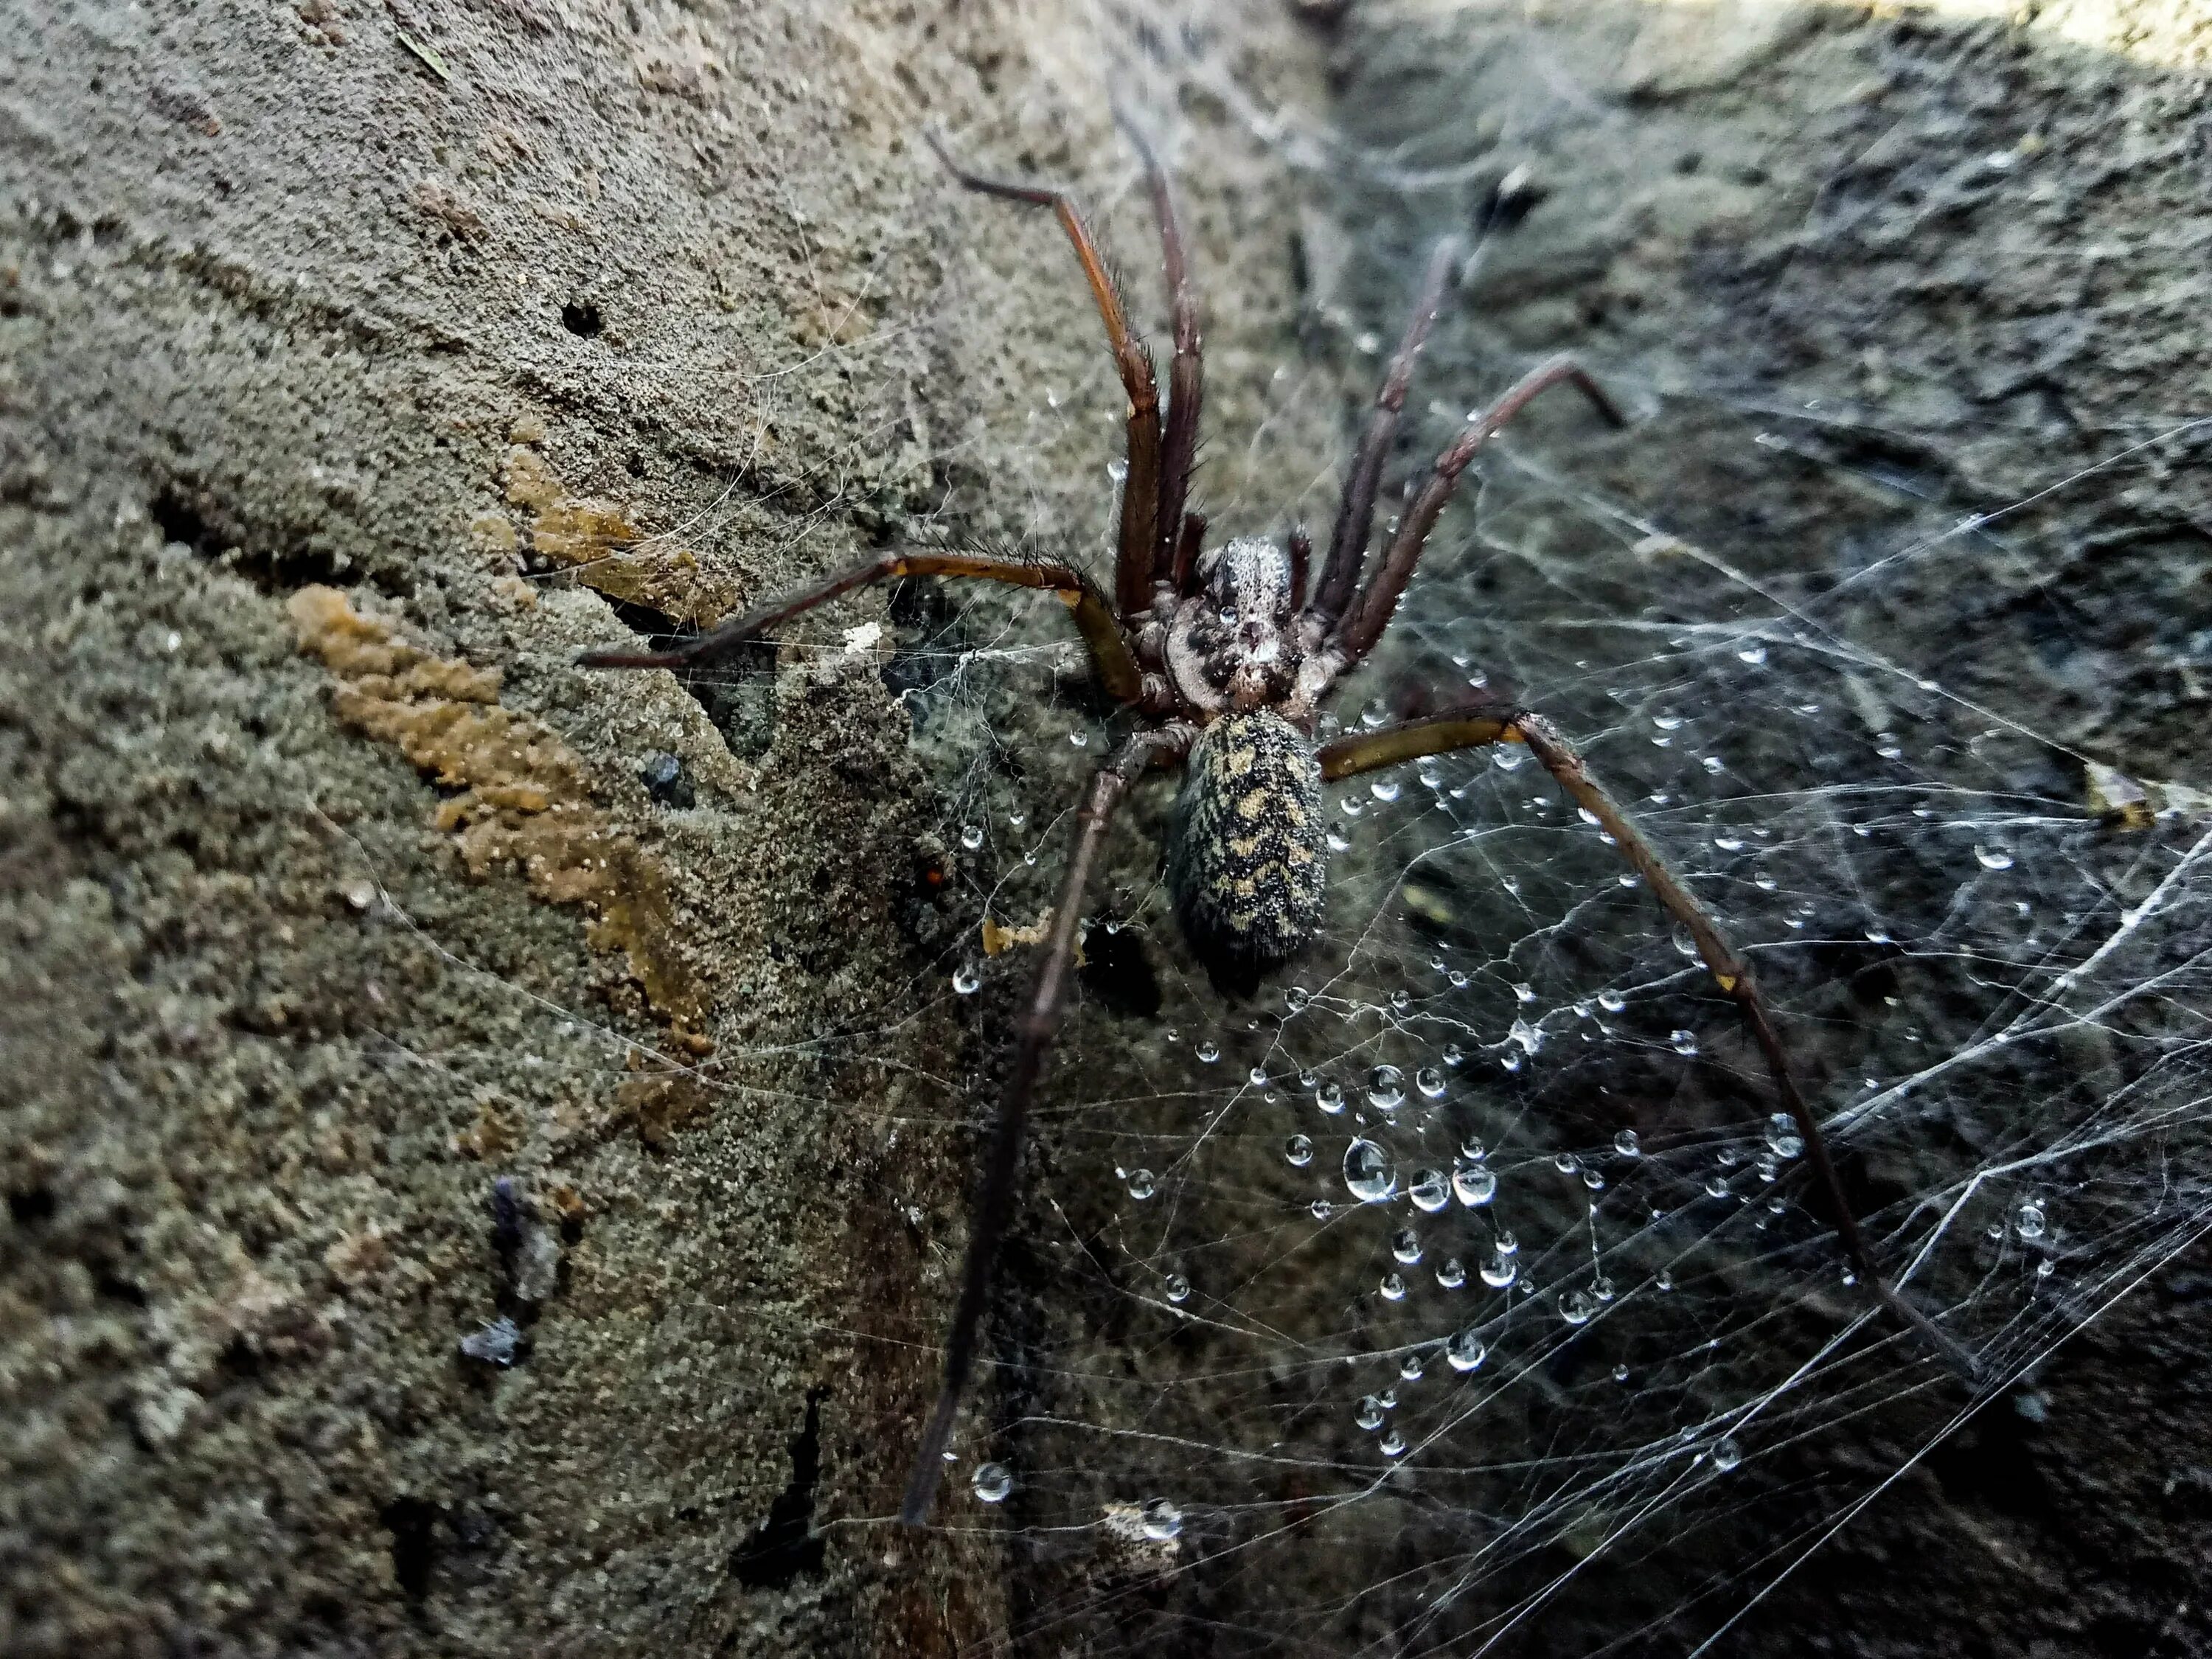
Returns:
(31, 1204)
(581, 318)
(412, 1523)
(785, 1545)
(1117, 971)
(198, 521)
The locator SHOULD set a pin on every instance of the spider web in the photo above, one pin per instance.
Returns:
(1468, 1264)
(1466, 1267)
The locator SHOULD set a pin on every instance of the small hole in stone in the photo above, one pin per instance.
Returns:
(581, 318)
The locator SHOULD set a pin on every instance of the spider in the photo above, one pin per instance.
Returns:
(1223, 659)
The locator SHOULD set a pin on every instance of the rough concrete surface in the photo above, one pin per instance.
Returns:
(364, 361)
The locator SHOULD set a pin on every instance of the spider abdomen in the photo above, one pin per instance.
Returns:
(1246, 860)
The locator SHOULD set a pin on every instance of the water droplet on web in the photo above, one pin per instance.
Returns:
(1370, 1414)
(1454, 1054)
(1464, 1351)
(972, 837)
(1682, 1042)
(1368, 1175)
(1992, 858)
(1511, 1060)
(1753, 654)
(1352, 807)
(2028, 1220)
(1576, 1307)
(1393, 1288)
(1430, 1081)
(1594, 1179)
(1507, 758)
(1337, 843)
(1602, 1288)
(1405, 1246)
(1473, 1148)
(1612, 1001)
(1474, 1184)
(1626, 1144)
(1726, 1454)
(1257, 1077)
(1321, 1209)
(1295, 998)
(1384, 789)
(1431, 775)
(1452, 1274)
(965, 978)
(992, 1482)
(1401, 1001)
(1177, 1287)
(1161, 1520)
(1207, 1052)
(1429, 1192)
(1118, 471)
(1782, 1137)
(1386, 1088)
(1499, 1271)
(1528, 1037)
(1080, 739)
(1412, 1369)
(1141, 1185)
(1565, 1162)
(1392, 1445)
(1714, 764)
(1329, 1097)
(1717, 1186)
(1297, 1151)
(1663, 1281)
(1729, 843)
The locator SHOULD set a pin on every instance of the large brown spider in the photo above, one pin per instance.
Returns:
(1225, 657)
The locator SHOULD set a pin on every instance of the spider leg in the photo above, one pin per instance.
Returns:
(1504, 723)
(1372, 614)
(1141, 529)
(1355, 509)
(1186, 371)
(1111, 656)
(994, 1194)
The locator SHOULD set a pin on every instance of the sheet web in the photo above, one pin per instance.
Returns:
(1466, 1265)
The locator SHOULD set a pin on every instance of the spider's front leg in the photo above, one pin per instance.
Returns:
(1485, 724)
(994, 1193)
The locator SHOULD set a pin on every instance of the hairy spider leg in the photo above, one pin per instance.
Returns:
(1111, 656)
(1140, 533)
(1355, 509)
(1300, 547)
(1482, 725)
(1186, 370)
(1372, 611)
(994, 1194)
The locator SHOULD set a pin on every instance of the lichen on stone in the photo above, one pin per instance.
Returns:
(523, 796)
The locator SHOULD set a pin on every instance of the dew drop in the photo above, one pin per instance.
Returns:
(1392, 1445)
(1384, 789)
(1726, 1454)
(1753, 654)
(1452, 1274)
(1612, 1001)
(1992, 858)
(972, 837)
(1368, 1175)
(1207, 1052)
(1405, 1246)
(1257, 1077)
(1079, 740)
(1500, 1270)
(2028, 1220)
(1782, 1137)
(1626, 1144)
(1141, 1185)
(1177, 1287)
(992, 1482)
(1386, 1088)
(1161, 1520)
(1117, 471)
(1370, 1414)
(1430, 1081)
(966, 979)
(1412, 1369)
(1295, 998)
(1682, 1042)
(1393, 1288)
(1576, 1307)
(1474, 1184)
(1297, 1151)
(1464, 1351)
(1322, 1209)
(1429, 1191)
(1329, 1097)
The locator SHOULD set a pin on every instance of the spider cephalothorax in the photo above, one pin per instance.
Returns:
(1221, 662)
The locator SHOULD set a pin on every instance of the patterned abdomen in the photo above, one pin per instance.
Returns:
(1246, 861)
